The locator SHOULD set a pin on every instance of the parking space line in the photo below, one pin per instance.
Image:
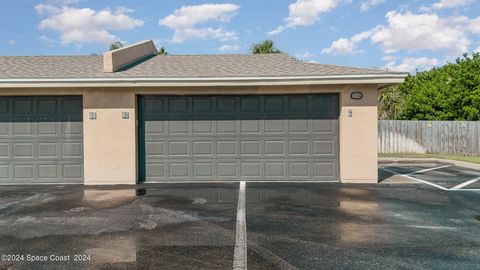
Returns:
(415, 179)
(425, 182)
(240, 253)
(455, 188)
(430, 169)
(462, 185)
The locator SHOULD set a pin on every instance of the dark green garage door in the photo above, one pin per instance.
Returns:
(41, 140)
(221, 138)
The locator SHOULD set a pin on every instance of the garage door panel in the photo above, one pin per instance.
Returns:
(156, 170)
(250, 148)
(4, 150)
(48, 150)
(202, 105)
(178, 170)
(274, 126)
(226, 127)
(42, 140)
(227, 169)
(275, 169)
(23, 150)
(4, 172)
(250, 126)
(323, 169)
(47, 106)
(178, 148)
(48, 171)
(203, 169)
(23, 106)
(154, 128)
(227, 148)
(23, 128)
(24, 172)
(324, 148)
(251, 169)
(274, 147)
(202, 127)
(241, 137)
(72, 172)
(203, 148)
(70, 149)
(72, 128)
(324, 126)
(178, 127)
(4, 128)
(47, 128)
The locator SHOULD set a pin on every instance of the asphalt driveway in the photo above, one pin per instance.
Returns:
(405, 225)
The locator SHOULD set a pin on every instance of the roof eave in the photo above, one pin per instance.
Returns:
(381, 79)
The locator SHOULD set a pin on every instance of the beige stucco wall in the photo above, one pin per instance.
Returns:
(110, 150)
(358, 136)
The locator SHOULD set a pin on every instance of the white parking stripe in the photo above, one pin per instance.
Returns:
(455, 188)
(462, 185)
(431, 169)
(415, 179)
(240, 253)
(425, 182)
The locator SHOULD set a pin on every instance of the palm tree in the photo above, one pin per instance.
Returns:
(390, 103)
(266, 46)
(116, 45)
(162, 51)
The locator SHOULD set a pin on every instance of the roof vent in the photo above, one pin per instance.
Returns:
(120, 58)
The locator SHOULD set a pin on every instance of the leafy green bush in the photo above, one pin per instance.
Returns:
(451, 92)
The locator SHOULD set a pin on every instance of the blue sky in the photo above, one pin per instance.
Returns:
(398, 35)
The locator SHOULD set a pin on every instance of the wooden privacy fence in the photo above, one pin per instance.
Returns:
(446, 137)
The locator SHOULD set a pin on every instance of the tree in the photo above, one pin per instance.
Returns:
(390, 103)
(116, 45)
(266, 46)
(451, 92)
(162, 51)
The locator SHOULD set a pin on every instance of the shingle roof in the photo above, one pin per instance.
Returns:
(172, 66)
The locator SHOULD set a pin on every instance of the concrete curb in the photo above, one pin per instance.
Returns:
(463, 164)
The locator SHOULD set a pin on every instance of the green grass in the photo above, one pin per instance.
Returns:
(440, 156)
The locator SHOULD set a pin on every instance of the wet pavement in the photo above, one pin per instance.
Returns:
(289, 226)
(307, 226)
(160, 227)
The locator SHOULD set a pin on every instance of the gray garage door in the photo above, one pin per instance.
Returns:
(267, 138)
(41, 139)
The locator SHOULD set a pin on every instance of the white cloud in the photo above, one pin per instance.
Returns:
(413, 32)
(474, 25)
(389, 58)
(411, 64)
(347, 46)
(85, 25)
(11, 42)
(203, 33)
(63, 2)
(305, 13)
(341, 46)
(477, 50)
(46, 40)
(185, 21)
(442, 4)
(366, 5)
(305, 56)
(228, 47)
